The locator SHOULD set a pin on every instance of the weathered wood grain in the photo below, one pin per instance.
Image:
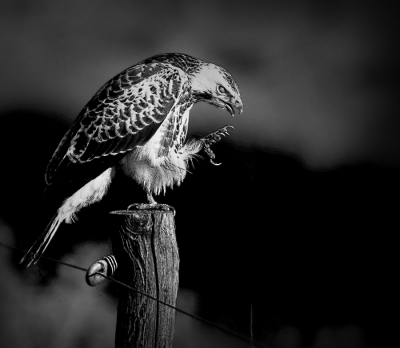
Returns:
(148, 260)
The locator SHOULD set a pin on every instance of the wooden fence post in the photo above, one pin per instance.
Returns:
(146, 251)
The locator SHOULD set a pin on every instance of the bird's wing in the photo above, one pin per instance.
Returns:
(125, 113)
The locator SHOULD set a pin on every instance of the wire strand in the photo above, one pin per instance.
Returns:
(251, 326)
(193, 316)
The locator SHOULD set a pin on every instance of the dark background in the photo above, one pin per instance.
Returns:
(298, 222)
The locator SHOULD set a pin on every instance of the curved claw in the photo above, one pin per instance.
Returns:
(215, 164)
(212, 139)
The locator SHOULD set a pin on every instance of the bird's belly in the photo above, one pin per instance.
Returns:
(155, 175)
(162, 161)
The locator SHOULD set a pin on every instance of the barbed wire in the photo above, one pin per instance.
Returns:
(193, 316)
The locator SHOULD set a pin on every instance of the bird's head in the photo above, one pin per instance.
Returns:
(214, 85)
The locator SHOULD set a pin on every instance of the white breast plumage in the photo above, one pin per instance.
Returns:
(156, 169)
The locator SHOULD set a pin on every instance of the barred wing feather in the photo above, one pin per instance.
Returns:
(125, 113)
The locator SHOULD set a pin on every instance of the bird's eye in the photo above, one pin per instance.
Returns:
(222, 89)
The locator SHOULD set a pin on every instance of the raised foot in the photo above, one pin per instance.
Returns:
(151, 206)
(212, 139)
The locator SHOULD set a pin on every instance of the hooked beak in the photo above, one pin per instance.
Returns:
(234, 103)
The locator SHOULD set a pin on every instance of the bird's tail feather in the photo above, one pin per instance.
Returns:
(37, 249)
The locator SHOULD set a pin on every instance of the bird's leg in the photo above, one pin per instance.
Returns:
(151, 205)
(212, 139)
(150, 198)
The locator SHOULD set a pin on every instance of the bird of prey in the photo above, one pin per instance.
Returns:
(137, 122)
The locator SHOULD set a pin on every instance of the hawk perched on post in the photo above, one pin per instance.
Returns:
(137, 122)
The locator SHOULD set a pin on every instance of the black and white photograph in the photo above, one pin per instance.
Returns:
(199, 174)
